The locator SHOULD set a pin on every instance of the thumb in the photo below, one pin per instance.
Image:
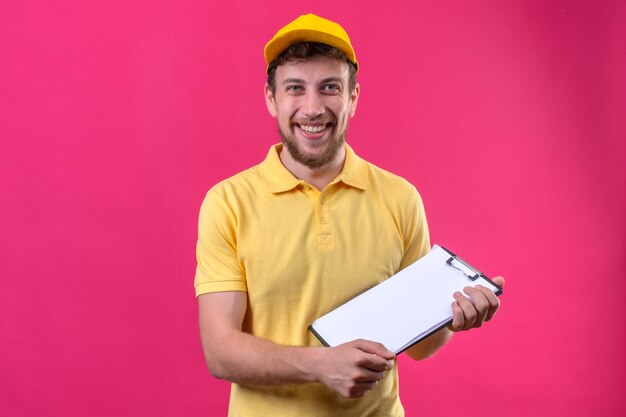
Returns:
(499, 281)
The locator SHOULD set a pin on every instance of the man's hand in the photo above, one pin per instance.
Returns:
(351, 369)
(354, 368)
(479, 308)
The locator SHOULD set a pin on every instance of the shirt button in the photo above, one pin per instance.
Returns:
(323, 220)
(323, 201)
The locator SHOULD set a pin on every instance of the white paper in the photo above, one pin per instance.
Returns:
(403, 309)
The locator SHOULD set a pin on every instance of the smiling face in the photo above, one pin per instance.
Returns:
(312, 103)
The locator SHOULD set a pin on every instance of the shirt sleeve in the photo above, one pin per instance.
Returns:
(416, 238)
(218, 266)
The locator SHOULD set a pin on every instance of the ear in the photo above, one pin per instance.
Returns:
(354, 99)
(270, 101)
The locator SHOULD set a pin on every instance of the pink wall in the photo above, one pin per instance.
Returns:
(116, 117)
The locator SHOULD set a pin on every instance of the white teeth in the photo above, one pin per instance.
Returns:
(312, 129)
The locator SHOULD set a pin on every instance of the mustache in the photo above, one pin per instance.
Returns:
(318, 120)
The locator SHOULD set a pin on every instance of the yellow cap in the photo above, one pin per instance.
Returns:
(310, 28)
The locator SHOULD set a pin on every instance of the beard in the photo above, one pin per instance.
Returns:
(335, 143)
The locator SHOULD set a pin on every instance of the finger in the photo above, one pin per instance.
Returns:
(469, 312)
(367, 386)
(492, 299)
(375, 348)
(359, 390)
(458, 321)
(374, 362)
(367, 375)
(499, 281)
(481, 304)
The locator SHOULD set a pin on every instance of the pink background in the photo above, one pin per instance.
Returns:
(116, 117)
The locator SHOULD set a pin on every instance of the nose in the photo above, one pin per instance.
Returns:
(313, 105)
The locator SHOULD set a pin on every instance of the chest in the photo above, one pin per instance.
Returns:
(321, 250)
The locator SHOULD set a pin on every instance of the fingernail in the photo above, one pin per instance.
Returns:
(390, 364)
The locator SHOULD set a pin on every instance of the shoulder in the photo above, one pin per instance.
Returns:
(250, 179)
(393, 186)
(234, 192)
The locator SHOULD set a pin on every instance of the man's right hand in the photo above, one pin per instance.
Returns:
(351, 369)
(354, 368)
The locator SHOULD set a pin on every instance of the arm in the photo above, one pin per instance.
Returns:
(467, 314)
(351, 369)
(427, 347)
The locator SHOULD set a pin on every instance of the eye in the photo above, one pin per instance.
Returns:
(331, 88)
(294, 88)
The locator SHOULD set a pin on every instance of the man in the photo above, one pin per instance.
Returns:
(288, 240)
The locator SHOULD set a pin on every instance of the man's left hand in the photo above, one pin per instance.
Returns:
(479, 308)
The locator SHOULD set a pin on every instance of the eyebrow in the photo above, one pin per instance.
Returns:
(332, 79)
(293, 80)
(324, 81)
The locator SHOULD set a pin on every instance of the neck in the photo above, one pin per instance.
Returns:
(317, 177)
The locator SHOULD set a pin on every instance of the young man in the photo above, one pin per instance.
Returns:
(288, 240)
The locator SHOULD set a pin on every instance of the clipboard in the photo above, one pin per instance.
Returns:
(406, 308)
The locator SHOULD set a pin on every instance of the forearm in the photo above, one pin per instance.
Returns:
(351, 369)
(430, 345)
(249, 360)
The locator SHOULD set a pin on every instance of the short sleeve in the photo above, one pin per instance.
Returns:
(218, 266)
(416, 238)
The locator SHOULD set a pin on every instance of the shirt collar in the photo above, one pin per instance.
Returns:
(354, 172)
(279, 179)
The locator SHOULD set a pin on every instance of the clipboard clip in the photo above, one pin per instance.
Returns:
(462, 266)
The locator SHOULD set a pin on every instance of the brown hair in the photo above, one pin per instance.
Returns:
(304, 51)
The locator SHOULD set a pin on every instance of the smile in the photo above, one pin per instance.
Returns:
(313, 129)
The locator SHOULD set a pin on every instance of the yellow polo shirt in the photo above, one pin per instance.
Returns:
(298, 253)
